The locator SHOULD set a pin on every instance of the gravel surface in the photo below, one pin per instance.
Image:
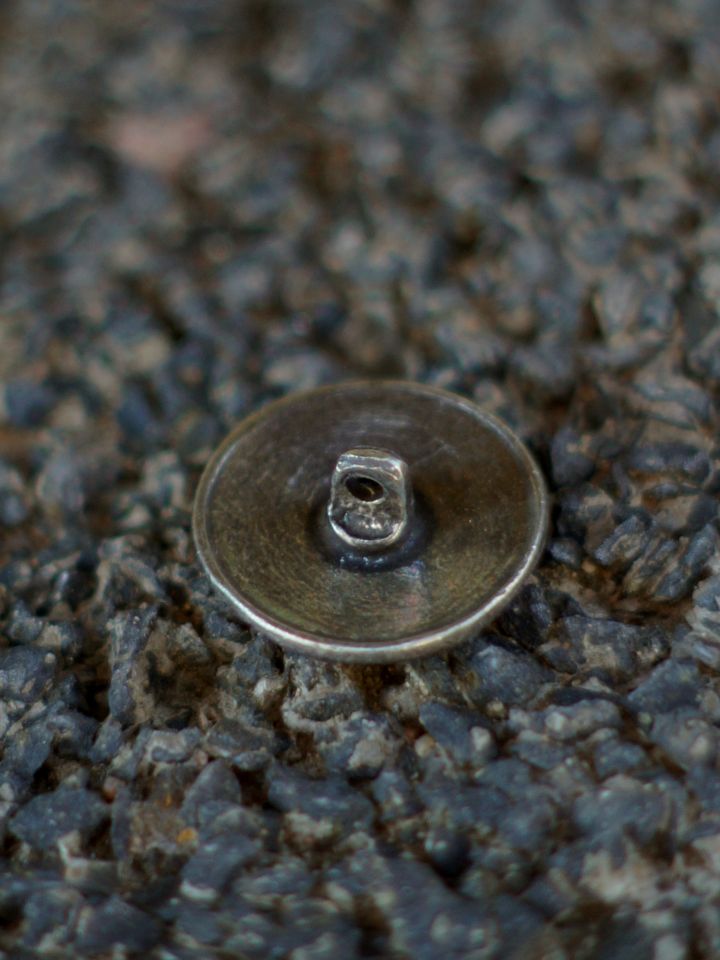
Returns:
(205, 204)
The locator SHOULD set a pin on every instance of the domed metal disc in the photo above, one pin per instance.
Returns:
(472, 514)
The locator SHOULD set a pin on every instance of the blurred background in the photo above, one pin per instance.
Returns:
(205, 204)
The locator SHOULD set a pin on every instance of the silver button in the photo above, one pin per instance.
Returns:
(370, 521)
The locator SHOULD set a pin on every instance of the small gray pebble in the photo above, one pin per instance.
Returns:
(48, 817)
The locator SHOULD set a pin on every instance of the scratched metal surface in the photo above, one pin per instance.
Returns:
(260, 523)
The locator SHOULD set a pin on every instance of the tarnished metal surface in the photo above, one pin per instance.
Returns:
(262, 531)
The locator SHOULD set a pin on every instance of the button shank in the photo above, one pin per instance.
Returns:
(371, 501)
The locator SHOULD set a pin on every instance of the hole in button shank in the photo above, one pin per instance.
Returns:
(364, 488)
(371, 502)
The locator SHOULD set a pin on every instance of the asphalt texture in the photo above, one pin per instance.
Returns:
(205, 204)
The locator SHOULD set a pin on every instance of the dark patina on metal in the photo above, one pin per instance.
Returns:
(370, 521)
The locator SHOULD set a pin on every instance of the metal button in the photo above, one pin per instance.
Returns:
(370, 521)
